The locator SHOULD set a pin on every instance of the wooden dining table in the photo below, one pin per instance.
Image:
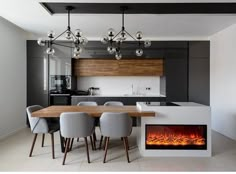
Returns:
(94, 111)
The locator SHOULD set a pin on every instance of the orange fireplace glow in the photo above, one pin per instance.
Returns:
(176, 137)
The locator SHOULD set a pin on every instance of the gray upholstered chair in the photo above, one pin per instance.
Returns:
(40, 125)
(91, 103)
(74, 125)
(110, 103)
(113, 103)
(87, 103)
(116, 125)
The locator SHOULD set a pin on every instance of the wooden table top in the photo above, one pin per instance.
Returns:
(95, 111)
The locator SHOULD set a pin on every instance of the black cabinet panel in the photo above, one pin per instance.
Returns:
(34, 50)
(176, 74)
(199, 49)
(199, 80)
(199, 72)
(37, 93)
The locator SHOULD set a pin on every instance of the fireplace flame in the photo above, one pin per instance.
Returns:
(175, 139)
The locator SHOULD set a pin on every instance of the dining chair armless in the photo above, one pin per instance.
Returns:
(109, 103)
(76, 125)
(91, 103)
(113, 124)
(113, 103)
(40, 125)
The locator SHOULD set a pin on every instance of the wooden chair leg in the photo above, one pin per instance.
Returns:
(104, 143)
(91, 141)
(100, 144)
(94, 144)
(53, 151)
(106, 147)
(32, 146)
(66, 150)
(94, 136)
(125, 140)
(86, 143)
(43, 136)
(71, 144)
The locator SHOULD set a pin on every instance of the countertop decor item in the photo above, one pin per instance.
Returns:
(78, 40)
(114, 41)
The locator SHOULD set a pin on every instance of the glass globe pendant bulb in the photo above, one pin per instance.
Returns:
(78, 33)
(51, 34)
(139, 35)
(139, 52)
(83, 40)
(50, 51)
(111, 32)
(110, 49)
(41, 42)
(77, 50)
(68, 35)
(104, 40)
(76, 56)
(118, 55)
(147, 43)
(123, 36)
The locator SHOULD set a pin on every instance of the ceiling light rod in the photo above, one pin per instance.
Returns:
(115, 41)
(77, 39)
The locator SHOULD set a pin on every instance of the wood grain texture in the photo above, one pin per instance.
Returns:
(94, 111)
(113, 67)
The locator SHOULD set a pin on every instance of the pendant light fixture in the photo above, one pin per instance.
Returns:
(115, 41)
(77, 39)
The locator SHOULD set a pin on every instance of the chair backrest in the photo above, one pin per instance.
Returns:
(37, 125)
(114, 124)
(87, 103)
(113, 103)
(76, 124)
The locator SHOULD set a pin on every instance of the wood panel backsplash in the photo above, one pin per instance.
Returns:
(113, 67)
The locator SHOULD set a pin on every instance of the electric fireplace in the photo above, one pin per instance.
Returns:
(175, 137)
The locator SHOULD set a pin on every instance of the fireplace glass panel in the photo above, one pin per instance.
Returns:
(188, 137)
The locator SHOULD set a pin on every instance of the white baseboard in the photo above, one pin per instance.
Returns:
(12, 133)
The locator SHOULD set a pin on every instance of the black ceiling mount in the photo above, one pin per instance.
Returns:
(143, 8)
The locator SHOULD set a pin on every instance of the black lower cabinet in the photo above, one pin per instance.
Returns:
(60, 100)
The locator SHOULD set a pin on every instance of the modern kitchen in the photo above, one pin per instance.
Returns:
(172, 81)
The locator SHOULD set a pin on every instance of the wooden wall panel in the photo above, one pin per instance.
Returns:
(113, 67)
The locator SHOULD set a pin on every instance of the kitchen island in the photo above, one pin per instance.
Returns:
(178, 129)
(126, 99)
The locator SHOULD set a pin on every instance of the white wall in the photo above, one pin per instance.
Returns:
(223, 81)
(12, 78)
(120, 85)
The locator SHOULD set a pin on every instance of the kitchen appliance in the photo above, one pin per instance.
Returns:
(60, 82)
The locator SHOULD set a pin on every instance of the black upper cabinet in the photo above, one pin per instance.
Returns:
(176, 78)
(34, 50)
(199, 72)
(37, 68)
(199, 49)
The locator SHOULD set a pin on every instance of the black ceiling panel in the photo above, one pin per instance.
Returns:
(143, 8)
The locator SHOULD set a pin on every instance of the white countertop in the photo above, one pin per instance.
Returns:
(118, 95)
(178, 103)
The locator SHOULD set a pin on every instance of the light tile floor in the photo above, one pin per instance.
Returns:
(14, 152)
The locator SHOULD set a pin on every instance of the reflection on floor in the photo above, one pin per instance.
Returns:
(14, 152)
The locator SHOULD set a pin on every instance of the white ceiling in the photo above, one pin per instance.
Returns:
(32, 17)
